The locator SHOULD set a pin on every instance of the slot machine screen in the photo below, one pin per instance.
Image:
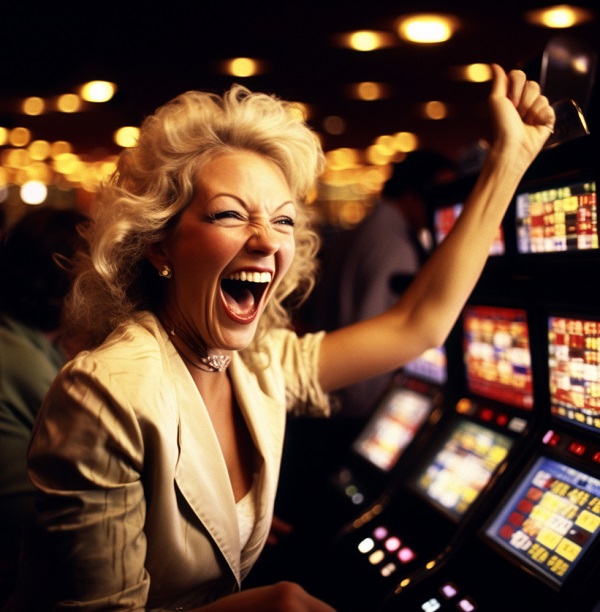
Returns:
(559, 219)
(430, 366)
(461, 467)
(445, 217)
(393, 426)
(550, 520)
(574, 370)
(497, 354)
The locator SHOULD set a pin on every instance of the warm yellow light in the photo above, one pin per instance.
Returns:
(301, 111)
(339, 159)
(242, 67)
(39, 171)
(98, 91)
(559, 16)
(67, 163)
(16, 158)
(386, 142)
(126, 136)
(39, 149)
(478, 73)
(435, 110)
(68, 103)
(33, 106)
(19, 137)
(366, 40)
(405, 142)
(377, 155)
(369, 91)
(3, 136)
(426, 28)
(59, 147)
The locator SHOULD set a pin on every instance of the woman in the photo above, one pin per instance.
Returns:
(157, 452)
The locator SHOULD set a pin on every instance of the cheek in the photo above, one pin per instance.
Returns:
(287, 252)
(204, 251)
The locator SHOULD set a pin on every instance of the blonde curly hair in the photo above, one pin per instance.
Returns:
(154, 181)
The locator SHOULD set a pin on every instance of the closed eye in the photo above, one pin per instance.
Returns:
(226, 214)
(285, 221)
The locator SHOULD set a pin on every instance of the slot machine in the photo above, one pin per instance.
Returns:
(446, 484)
(400, 425)
(537, 544)
(539, 548)
(404, 419)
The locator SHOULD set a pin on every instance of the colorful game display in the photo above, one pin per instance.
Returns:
(550, 520)
(462, 467)
(497, 355)
(574, 368)
(393, 426)
(555, 220)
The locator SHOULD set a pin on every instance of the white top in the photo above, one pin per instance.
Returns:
(246, 513)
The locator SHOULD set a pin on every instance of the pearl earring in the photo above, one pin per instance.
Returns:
(165, 272)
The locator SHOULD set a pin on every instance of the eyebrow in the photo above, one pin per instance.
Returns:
(243, 202)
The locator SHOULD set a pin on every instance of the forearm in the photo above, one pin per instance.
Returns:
(434, 301)
(424, 315)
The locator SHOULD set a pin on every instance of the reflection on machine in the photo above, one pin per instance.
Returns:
(550, 520)
(431, 366)
(445, 217)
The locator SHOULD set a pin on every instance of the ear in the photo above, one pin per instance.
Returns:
(157, 255)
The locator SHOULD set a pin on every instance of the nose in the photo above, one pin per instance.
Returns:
(263, 240)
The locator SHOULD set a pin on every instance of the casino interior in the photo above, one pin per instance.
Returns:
(474, 483)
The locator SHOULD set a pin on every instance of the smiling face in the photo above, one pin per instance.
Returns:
(233, 244)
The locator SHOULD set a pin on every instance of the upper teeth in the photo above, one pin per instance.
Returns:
(252, 277)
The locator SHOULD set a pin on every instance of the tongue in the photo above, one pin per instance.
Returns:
(242, 305)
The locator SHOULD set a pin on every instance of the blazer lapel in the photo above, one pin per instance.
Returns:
(265, 418)
(201, 473)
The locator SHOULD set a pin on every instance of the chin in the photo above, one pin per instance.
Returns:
(237, 341)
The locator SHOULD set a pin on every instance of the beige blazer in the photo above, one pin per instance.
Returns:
(138, 511)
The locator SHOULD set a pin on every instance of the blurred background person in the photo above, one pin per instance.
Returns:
(364, 270)
(34, 280)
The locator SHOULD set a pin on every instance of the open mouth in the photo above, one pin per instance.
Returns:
(242, 293)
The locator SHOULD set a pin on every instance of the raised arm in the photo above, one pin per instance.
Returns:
(425, 314)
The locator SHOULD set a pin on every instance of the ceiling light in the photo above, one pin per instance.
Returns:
(33, 192)
(369, 91)
(39, 149)
(435, 110)
(242, 67)
(33, 106)
(365, 40)
(406, 141)
(559, 16)
(59, 147)
(126, 136)
(426, 28)
(473, 73)
(68, 103)
(98, 91)
(19, 137)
